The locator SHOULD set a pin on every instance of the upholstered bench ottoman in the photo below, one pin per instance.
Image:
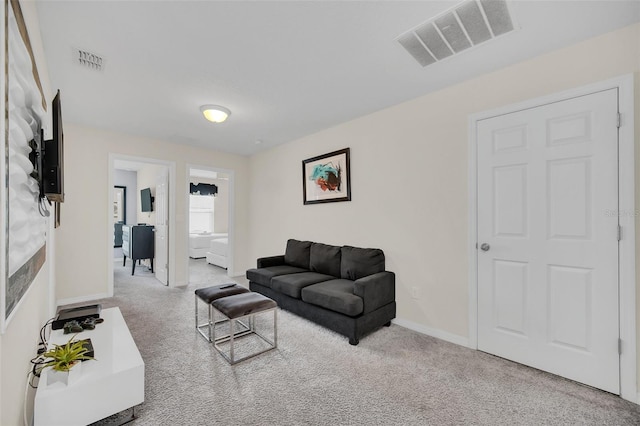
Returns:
(208, 295)
(237, 307)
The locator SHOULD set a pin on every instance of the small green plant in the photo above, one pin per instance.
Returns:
(63, 357)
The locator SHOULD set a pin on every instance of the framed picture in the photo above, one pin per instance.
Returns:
(327, 178)
(23, 235)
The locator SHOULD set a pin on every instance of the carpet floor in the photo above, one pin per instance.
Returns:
(395, 376)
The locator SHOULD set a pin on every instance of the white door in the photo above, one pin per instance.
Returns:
(161, 229)
(547, 248)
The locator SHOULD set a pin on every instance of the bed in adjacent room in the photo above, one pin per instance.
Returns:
(217, 254)
(199, 243)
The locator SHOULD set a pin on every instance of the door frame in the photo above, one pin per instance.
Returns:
(627, 213)
(231, 207)
(166, 236)
(171, 166)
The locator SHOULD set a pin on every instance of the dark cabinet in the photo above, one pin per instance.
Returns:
(137, 244)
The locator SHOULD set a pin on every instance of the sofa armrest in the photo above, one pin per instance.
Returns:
(265, 262)
(376, 290)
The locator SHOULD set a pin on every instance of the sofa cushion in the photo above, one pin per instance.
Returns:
(297, 253)
(292, 284)
(263, 276)
(335, 295)
(360, 262)
(325, 259)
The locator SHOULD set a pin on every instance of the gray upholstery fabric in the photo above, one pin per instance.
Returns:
(360, 262)
(352, 327)
(297, 253)
(357, 297)
(376, 290)
(292, 284)
(243, 304)
(336, 295)
(265, 262)
(325, 259)
(263, 275)
(209, 294)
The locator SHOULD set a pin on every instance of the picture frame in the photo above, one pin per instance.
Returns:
(327, 178)
(23, 238)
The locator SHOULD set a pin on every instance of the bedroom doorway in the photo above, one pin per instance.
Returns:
(209, 223)
(141, 197)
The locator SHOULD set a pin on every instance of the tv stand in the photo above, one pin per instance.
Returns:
(111, 383)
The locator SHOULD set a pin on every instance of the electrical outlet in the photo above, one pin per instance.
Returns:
(415, 292)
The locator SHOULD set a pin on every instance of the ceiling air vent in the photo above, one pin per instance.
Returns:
(88, 59)
(459, 28)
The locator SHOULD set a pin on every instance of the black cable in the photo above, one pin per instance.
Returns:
(43, 339)
(36, 363)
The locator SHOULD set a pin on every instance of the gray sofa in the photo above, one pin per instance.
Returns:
(345, 289)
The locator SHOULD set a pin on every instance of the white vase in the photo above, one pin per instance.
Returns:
(67, 378)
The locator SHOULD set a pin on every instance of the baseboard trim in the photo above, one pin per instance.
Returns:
(89, 298)
(433, 332)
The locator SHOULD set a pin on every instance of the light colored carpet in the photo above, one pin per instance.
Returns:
(393, 377)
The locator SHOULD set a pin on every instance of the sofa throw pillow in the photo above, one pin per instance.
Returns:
(297, 253)
(360, 262)
(325, 259)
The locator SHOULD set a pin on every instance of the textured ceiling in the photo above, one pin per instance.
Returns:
(285, 69)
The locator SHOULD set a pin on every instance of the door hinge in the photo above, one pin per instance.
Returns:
(619, 122)
(619, 233)
(619, 346)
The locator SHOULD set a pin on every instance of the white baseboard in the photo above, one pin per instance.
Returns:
(81, 299)
(433, 332)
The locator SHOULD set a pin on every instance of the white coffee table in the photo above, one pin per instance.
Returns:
(112, 383)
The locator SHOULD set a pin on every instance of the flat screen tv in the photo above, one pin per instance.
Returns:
(52, 183)
(146, 200)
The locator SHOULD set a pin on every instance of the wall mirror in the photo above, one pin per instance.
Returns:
(120, 204)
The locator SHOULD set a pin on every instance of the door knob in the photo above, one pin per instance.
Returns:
(485, 247)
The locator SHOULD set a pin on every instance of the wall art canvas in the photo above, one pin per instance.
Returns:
(24, 234)
(327, 178)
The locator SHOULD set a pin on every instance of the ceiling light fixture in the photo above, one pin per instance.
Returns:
(215, 113)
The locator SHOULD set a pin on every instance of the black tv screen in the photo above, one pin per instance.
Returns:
(52, 179)
(146, 200)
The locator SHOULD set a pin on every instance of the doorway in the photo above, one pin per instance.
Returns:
(147, 184)
(550, 275)
(210, 221)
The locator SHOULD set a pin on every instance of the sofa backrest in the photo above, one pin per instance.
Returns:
(325, 259)
(297, 253)
(360, 262)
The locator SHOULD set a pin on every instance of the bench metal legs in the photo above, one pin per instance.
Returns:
(211, 323)
(273, 344)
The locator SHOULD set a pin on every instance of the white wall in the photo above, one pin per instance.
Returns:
(129, 179)
(147, 178)
(82, 270)
(409, 178)
(19, 343)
